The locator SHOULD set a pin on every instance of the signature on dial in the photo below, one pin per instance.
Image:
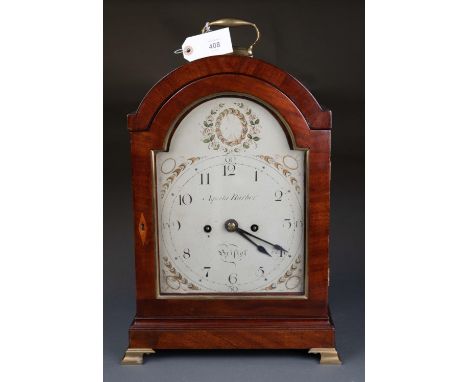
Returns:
(231, 253)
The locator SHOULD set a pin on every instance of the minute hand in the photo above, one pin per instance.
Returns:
(276, 246)
(259, 247)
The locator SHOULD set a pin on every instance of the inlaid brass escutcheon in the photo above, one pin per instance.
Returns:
(328, 356)
(135, 356)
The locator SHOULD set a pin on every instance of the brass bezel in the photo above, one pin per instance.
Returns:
(250, 296)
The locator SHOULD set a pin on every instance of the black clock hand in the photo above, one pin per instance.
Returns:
(276, 246)
(259, 247)
(232, 226)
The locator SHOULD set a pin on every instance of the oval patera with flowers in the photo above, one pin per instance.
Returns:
(231, 128)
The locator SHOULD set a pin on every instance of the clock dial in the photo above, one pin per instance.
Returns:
(230, 195)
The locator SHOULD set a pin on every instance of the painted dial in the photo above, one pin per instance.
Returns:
(230, 213)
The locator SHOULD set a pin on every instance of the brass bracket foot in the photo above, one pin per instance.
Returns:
(135, 356)
(328, 356)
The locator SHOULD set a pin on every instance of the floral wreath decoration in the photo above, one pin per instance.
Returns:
(249, 132)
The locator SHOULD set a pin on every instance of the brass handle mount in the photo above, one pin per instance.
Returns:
(230, 22)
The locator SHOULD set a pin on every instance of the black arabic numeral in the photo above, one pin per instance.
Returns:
(288, 223)
(229, 169)
(175, 224)
(207, 270)
(232, 278)
(185, 199)
(278, 196)
(186, 254)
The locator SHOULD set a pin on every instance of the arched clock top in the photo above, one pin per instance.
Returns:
(252, 70)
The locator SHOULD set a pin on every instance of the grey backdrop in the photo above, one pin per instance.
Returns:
(322, 44)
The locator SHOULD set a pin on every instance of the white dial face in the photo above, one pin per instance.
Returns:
(230, 197)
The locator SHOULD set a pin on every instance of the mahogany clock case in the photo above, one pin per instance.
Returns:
(231, 323)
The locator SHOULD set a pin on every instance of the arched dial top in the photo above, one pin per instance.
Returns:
(229, 160)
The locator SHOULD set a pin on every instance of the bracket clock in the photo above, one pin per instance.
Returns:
(231, 194)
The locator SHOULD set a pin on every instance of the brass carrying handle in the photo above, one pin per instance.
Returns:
(229, 22)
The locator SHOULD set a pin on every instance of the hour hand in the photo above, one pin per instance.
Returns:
(232, 226)
(259, 247)
(275, 246)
